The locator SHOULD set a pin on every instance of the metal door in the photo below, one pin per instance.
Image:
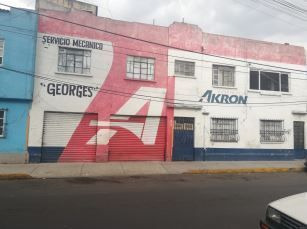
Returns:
(183, 147)
(66, 137)
(299, 138)
(136, 138)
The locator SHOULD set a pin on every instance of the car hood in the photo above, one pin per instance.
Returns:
(294, 206)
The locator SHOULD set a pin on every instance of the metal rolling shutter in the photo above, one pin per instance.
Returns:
(65, 137)
(135, 142)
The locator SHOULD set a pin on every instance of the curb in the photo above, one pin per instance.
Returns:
(246, 170)
(15, 176)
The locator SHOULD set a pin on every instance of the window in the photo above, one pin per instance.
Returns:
(74, 60)
(269, 81)
(223, 76)
(2, 122)
(140, 68)
(184, 68)
(1, 51)
(224, 130)
(272, 131)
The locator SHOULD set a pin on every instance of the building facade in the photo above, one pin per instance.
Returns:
(109, 90)
(252, 98)
(100, 96)
(17, 63)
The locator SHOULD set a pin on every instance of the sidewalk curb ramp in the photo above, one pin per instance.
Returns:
(15, 176)
(245, 170)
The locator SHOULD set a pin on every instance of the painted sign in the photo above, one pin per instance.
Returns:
(57, 89)
(223, 98)
(72, 42)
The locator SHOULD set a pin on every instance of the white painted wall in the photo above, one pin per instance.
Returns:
(46, 66)
(248, 115)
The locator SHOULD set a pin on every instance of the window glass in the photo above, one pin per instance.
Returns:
(284, 83)
(184, 68)
(254, 80)
(269, 81)
(223, 76)
(140, 68)
(2, 122)
(1, 51)
(74, 60)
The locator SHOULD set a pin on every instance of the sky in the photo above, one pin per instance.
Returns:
(254, 19)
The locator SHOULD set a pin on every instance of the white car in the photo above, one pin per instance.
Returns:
(289, 212)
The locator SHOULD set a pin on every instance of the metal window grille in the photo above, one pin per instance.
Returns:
(272, 131)
(224, 130)
(2, 122)
(223, 76)
(141, 68)
(74, 60)
(1, 51)
(184, 68)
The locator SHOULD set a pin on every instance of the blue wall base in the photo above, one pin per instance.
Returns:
(233, 154)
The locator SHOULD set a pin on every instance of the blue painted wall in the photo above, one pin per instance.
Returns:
(18, 29)
(233, 154)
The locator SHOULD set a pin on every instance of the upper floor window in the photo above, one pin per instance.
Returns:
(269, 81)
(272, 131)
(184, 68)
(74, 60)
(223, 76)
(2, 122)
(140, 68)
(224, 130)
(1, 51)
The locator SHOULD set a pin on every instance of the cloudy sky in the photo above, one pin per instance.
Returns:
(255, 19)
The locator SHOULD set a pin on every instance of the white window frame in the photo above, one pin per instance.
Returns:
(271, 71)
(2, 57)
(224, 134)
(85, 70)
(277, 136)
(136, 70)
(184, 65)
(4, 122)
(215, 81)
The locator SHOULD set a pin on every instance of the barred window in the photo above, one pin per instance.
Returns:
(140, 68)
(223, 76)
(2, 122)
(224, 130)
(1, 51)
(272, 131)
(74, 60)
(184, 68)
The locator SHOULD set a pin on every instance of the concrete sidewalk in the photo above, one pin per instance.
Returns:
(62, 170)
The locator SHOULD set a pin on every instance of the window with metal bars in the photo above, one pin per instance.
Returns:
(224, 130)
(272, 131)
(140, 68)
(223, 76)
(74, 61)
(2, 122)
(1, 51)
(184, 68)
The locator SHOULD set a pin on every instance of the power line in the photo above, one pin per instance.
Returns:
(151, 42)
(152, 98)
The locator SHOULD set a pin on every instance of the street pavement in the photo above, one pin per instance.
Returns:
(64, 170)
(161, 201)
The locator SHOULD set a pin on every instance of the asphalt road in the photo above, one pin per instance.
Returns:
(181, 201)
